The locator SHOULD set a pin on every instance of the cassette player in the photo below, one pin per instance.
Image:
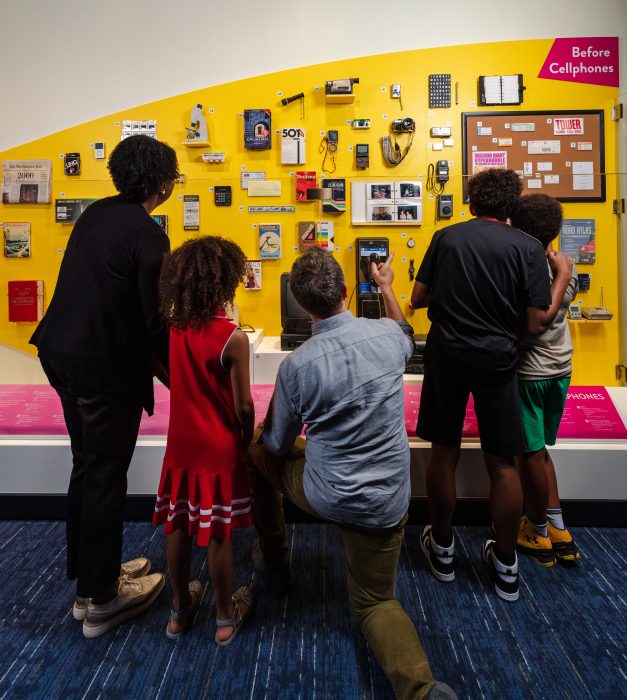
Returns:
(416, 363)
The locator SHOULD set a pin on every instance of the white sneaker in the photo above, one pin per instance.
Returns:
(133, 569)
(134, 596)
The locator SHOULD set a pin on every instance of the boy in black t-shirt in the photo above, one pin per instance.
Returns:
(481, 281)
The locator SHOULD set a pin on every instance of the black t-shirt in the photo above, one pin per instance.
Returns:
(105, 309)
(483, 275)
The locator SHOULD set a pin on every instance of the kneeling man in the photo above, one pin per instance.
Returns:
(346, 384)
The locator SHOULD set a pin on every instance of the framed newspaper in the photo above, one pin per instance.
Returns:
(26, 181)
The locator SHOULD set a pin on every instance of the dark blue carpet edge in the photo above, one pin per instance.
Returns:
(565, 638)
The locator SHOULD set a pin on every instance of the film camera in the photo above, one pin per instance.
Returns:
(406, 125)
(340, 87)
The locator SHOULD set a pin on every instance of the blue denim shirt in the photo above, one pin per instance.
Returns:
(346, 384)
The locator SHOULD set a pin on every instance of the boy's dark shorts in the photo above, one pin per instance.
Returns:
(445, 390)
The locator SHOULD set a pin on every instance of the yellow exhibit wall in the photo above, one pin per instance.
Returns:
(596, 342)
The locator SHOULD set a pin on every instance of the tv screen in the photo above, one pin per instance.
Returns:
(294, 319)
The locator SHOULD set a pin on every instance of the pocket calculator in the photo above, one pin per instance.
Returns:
(222, 195)
(439, 90)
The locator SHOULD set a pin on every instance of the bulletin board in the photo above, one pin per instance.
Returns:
(560, 153)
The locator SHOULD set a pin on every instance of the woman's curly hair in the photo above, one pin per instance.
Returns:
(140, 166)
(197, 279)
(540, 216)
(495, 193)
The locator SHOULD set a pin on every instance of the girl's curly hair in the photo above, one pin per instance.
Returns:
(495, 193)
(140, 166)
(540, 216)
(197, 279)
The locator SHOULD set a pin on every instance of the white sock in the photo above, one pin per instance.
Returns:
(540, 528)
(555, 518)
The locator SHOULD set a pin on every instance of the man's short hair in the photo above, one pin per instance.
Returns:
(317, 283)
(540, 216)
(494, 193)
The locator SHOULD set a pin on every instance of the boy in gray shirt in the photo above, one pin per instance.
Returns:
(544, 371)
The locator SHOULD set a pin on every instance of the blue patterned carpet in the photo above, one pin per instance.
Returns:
(565, 638)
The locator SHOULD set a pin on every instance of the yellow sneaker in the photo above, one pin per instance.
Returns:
(563, 545)
(534, 545)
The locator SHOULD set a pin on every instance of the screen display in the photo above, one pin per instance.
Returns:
(380, 250)
(294, 319)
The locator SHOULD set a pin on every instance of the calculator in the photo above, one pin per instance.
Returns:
(439, 90)
(222, 195)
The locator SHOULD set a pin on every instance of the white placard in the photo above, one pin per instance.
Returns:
(545, 166)
(551, 179)
(523, 126)
(584, 146)
(540, 147)
(534, 184)
(584, 167)
(583, 182)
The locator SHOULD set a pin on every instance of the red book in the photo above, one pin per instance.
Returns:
(305, 180)
(26, 300)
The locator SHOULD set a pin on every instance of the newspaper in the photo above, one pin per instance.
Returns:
(26, 181)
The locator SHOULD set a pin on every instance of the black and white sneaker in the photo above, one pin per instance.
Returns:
(505, 578)
(440, 559)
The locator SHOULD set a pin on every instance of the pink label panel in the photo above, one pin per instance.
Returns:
(35, 409)
(592, 60)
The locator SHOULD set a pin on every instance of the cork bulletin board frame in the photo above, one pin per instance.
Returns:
(560, 153)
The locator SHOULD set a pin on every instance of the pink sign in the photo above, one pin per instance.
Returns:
(35, 409)
(590, 413)
(592, 60)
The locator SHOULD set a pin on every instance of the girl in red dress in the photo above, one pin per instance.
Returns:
(204, 488)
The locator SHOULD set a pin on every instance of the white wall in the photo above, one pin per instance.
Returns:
(68, 61)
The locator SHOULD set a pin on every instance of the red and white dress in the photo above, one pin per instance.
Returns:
(204, 487)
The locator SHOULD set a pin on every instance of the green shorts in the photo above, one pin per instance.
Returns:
(541, 408)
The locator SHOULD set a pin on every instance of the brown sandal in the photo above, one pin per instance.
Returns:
(241, 595)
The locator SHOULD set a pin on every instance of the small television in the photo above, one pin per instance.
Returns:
(294, 318)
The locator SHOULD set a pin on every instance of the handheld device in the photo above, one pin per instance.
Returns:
(340, 87)
(574, 312)
(441, 171)
(445, 206)
(222, 195)
(368, 251)
(362, 156)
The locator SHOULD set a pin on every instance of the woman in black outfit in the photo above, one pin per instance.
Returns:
(98, 343)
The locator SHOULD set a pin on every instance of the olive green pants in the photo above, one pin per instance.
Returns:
(371, 562)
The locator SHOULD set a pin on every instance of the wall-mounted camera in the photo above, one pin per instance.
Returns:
(404, 126)
(340, 87)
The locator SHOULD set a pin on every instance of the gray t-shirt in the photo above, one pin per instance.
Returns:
(548, 355)
(346, 384)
